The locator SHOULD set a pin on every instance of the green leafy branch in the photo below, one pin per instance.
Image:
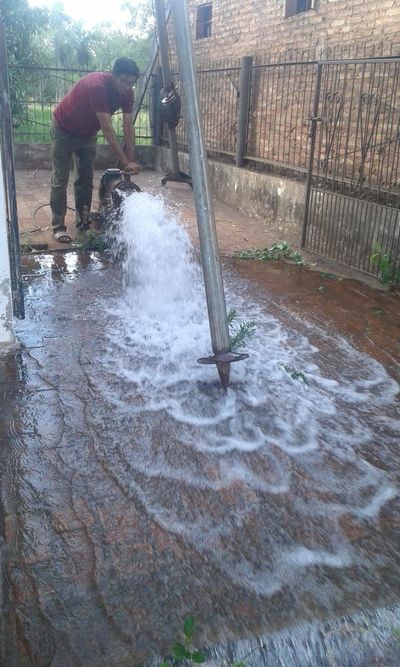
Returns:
(184, 652)
(92, 241)
(278, 250)
(295, 373)
(238, 335)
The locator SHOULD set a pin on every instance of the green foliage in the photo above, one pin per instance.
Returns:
(42, 38)
(239, 334)
(92, 241)
(34, 123)
(294, 373)
(184, 653)
(279, 250)
(389, 271)
(24, 26)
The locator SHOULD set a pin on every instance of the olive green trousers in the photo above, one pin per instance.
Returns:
(65, 146)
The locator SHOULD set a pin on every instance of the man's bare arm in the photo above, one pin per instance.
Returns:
(129, 135)
(112, 140)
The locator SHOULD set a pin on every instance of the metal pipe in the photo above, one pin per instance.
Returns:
(167, 78)
(139, 97)
(204, 207)
(7, 156)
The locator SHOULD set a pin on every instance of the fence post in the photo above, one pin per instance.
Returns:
(155, 115)
(244, 108)
(312, 135)
(7, 158)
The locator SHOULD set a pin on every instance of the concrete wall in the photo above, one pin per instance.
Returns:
(38, 156)
(6, 328)
(277, 201)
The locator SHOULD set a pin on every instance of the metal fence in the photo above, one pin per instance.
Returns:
(219, 93)
(353, 185)
(35, 91)
(279, 109)
(334, 123)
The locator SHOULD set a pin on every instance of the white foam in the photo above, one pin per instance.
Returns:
(304, 557)
(378, 500)
(193, 437)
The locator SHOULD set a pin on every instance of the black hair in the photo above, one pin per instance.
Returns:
(125, 66)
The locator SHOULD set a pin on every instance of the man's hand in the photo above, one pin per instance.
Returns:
(131, 168)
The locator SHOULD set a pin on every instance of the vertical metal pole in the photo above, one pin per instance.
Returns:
(156, 120)
(6, 328)
(313, 133)
(9, 178)
(167, 78)
(244, 108)
(139, 97)
(201, 188)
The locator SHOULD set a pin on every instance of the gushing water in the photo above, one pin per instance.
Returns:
(272, 442)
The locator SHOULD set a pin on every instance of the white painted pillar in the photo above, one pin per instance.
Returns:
(7, 337)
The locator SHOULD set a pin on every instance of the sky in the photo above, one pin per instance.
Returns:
(90, 12)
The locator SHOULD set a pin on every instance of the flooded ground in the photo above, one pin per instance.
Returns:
(135, 493)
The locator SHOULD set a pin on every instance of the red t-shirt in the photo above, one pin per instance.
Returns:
(76, 113)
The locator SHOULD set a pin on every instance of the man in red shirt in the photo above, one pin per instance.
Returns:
(84, 110)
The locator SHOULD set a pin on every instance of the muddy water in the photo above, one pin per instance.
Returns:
(135, 493)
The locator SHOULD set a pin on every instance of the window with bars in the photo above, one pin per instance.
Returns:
(293, 7)
(203, 21)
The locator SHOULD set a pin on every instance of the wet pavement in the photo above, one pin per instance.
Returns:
(235, 230)
(109, 535)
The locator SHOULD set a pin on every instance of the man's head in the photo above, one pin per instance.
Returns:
(125, 74)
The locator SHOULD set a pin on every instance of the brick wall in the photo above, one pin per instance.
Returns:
(359, 103)
(252, 27)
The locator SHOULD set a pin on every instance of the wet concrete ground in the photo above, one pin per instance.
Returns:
(91, 576)
(235, 230)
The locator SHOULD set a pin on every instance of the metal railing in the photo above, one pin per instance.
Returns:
(260, 112)
(35, 92)
(353, 184)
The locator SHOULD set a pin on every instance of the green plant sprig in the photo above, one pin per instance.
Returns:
(184, 652)
(238, 335)
(278, 250)
(295, 373)
(389, 271)
(93, 242)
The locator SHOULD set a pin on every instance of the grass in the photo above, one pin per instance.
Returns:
(33, 126)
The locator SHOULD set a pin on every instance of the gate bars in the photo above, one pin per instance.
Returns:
(353, 183)
(7, 158)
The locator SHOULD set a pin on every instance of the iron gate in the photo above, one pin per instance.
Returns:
(353, 185)
(7, 159)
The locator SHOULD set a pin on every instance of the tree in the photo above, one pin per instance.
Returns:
(23, 26)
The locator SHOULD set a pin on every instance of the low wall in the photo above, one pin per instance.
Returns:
(38, 156)
(277, 201)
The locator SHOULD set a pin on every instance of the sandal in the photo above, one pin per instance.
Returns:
(63, 237)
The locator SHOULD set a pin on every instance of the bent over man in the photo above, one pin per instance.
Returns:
(84, 110)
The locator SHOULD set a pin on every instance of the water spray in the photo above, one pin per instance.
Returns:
(217, 315)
